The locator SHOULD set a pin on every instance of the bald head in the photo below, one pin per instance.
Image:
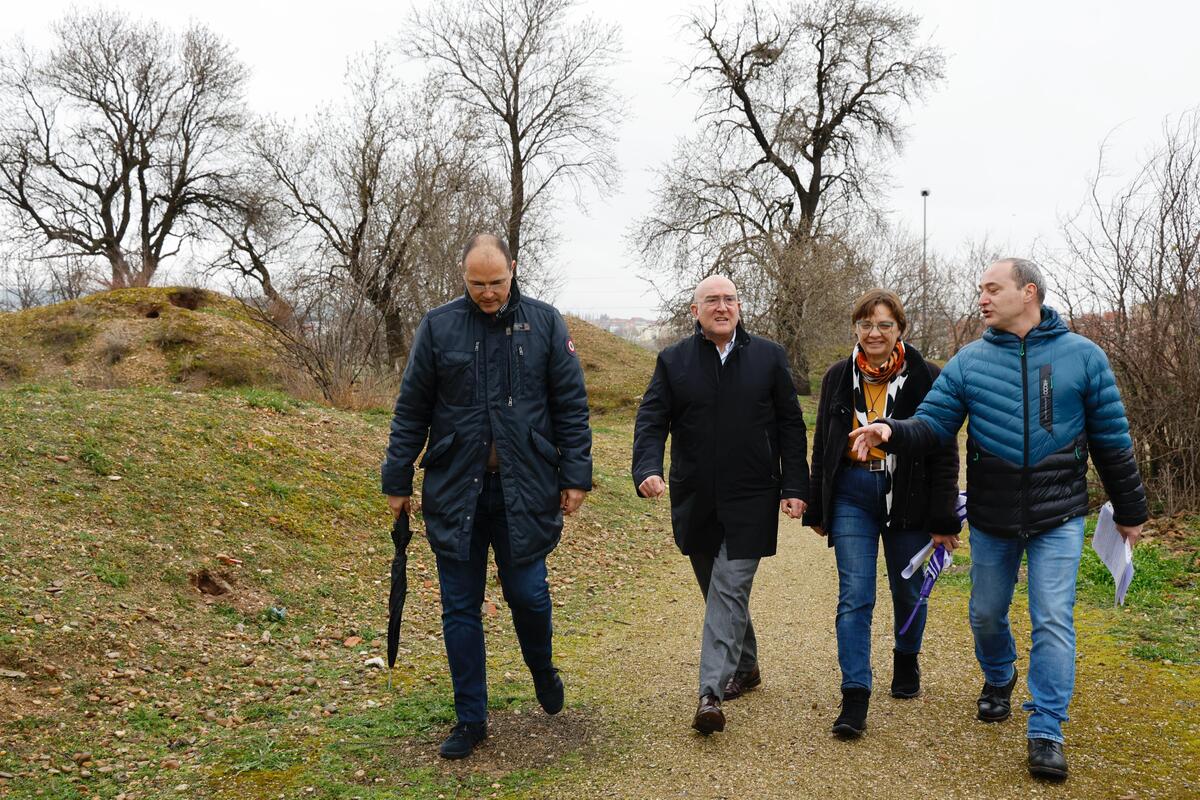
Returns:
(489, 241)
(714, 285)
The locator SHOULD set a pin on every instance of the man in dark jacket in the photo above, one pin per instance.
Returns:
(738, 458)
(1039, 399)
(493, 384)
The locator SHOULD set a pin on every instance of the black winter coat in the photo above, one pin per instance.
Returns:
(737, 442)
(470, 375)
(924, 487)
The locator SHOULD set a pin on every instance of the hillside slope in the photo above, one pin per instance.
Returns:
(192, 582)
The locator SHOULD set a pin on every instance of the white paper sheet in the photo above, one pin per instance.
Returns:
(1114, 551)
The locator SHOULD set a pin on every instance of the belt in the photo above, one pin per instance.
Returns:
(874, 465)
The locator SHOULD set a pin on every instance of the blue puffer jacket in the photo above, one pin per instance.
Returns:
(512, 375)
(1037, 407)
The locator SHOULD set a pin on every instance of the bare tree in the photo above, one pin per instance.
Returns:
(111, 141)
(383, 189)
(71, 277)
(256, 232)
(940, 297)
(801, 102)
(1133, 259)
(540, 84)
(24, 284)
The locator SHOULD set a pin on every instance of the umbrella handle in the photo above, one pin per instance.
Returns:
(911, 617)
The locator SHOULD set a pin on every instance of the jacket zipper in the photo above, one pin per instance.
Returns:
(520, 368)
(508, 363)
(1025, 455)
(476, 398)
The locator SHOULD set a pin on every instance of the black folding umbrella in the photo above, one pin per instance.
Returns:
(401, 535)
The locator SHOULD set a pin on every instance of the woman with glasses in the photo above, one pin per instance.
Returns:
(902, 500)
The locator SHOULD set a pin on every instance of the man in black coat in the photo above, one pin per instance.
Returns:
(738, 458)
(494, 386)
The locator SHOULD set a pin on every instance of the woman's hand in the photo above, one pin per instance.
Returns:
(949, 542)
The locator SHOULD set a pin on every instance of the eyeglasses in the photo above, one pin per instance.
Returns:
(866, 326)
(482, 286)
(716, 300)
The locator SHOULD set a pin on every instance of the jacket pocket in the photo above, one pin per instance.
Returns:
(435, 451)
(456, 377)
(544, 448)
(1046, 398)
(772, 458)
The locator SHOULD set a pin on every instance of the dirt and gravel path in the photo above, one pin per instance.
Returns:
(777, 744)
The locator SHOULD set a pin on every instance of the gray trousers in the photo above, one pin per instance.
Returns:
(728, 643)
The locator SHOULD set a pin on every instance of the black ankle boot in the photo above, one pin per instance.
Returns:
(549, 690)
(906, 675)
(995, 702)
(851, 723)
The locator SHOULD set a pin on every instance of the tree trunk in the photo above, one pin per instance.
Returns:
(121, 278)
(396, 340)
(787, 331)
(516, 186)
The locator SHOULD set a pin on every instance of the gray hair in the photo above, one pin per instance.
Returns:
(1025, 272)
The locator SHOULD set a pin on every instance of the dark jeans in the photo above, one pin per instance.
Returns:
(858, 521)
(462, 583)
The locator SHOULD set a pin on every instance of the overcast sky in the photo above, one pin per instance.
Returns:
(1005, 145)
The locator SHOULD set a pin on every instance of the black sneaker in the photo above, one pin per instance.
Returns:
(995, 702)
(462, 739)
(1046, 760)
(851, 723)
(549, 690)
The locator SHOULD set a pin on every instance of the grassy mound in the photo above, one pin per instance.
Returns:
(173, 336)
(616, 371)
(139, 337)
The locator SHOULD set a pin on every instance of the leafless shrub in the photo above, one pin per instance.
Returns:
(114, 345)
(1131, 278)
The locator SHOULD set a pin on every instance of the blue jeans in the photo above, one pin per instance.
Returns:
(1053, 564)
(859, 519)
(462, 583)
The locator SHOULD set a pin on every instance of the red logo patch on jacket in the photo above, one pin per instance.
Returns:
(571, 346)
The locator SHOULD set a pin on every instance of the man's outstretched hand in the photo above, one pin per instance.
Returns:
(864, 438)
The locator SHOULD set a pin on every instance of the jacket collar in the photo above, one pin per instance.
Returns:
(1050, 327)
(506, 310)
(740, 337)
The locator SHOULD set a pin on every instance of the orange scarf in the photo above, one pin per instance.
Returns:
(885, 371)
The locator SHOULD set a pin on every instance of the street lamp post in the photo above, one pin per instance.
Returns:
(924, 227)
(924, 267)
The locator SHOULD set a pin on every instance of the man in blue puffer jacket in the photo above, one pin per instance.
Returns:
(1040, 399)
(494, 393)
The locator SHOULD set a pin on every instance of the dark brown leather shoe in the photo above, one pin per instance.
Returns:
(741, 682)
(709, 716)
